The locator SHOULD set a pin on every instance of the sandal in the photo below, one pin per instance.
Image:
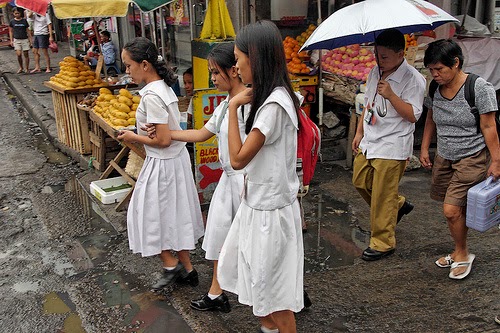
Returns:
(35, 70)
(19, 71)
(448, 261)
(467, 264)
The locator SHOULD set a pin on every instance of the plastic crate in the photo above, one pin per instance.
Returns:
(97, 189)
(305, 80)
(483, 205)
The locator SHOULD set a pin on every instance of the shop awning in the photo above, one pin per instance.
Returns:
(64, 9)
(37, 6)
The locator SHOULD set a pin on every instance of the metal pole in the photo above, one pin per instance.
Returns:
(320, 76)
(162, 34)
(143, 28)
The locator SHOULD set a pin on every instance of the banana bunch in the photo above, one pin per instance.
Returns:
(75, 74)
(117, 110)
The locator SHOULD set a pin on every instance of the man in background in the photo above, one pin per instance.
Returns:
(42, 36)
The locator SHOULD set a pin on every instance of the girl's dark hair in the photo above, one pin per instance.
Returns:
(141, 48)
(261, 42)
(444, 51)
(223, 56)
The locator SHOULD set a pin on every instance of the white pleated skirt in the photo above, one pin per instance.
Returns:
(225, 202)
(164, 212)
(262, 259)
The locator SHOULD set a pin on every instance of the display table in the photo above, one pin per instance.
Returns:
(71, 122)
(340, 88)
(100, 129)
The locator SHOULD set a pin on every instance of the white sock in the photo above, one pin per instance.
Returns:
(212, 296)
(169, 268)
(268, 330)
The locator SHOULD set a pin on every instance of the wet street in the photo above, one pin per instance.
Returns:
(66, 266)
(57, 245)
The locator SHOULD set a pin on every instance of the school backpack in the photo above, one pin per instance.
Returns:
(308, 146)
(470, 97)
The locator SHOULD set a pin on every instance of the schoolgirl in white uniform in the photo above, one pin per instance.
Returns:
(262, 257)
(227, 195)
(164, 213)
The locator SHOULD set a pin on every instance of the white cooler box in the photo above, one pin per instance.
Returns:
(483, 205)
(110, 190)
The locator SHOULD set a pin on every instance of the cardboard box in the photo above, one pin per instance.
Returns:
(102, 189)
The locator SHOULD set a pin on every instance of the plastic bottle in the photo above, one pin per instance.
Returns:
(360, 99)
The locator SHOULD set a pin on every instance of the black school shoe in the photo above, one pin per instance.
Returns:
(169, 277)
(190, 278)
(404, 210)
(371, 255)
(221, 303)
(307, 300)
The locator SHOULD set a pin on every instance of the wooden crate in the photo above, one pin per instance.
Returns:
(104, 145)
(104, 148)
(72, 123)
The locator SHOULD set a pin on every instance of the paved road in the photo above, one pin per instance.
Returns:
(402, 293)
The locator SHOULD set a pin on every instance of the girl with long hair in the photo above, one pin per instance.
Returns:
(262, 259)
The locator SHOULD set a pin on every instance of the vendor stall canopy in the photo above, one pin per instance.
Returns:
(64, 9)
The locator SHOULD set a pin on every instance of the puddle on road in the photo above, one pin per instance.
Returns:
(331, 239)
(97, 243)
(53, 155)
(97, 218)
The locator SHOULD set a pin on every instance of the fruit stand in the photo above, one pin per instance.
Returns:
(69, 86)
(100, 130)
(302, 72)
(108, 113)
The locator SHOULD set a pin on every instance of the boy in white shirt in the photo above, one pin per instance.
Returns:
(384, 140)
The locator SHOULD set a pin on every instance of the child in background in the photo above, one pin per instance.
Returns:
(164, 213)
(187, 116)
(226, 198)
(262, 259)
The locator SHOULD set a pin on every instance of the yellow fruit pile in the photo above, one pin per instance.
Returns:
(295, 59)
(117, 110)
(75, 74)
(305, 35)
(411, 40)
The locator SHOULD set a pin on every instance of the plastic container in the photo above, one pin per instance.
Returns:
(108, 197)
(359, 101)
(483, 205)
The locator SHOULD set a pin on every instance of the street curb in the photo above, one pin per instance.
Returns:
(40, 115)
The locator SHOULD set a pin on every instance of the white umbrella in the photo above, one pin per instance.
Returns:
(361, 22)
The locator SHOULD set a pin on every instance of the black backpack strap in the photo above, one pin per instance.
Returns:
(432, 88)
(470, 97)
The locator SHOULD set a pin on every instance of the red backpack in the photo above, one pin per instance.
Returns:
(308, 146)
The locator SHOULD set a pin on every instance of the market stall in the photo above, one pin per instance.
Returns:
(73, 81)
(100, 131)
(110, 111)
